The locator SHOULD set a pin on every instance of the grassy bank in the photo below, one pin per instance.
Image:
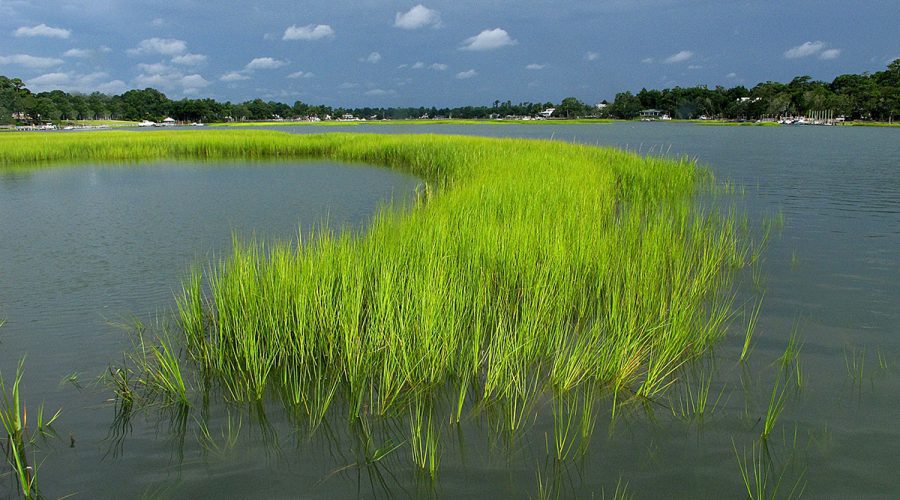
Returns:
(527, 273)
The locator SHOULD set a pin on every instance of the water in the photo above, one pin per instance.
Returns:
(89, 245)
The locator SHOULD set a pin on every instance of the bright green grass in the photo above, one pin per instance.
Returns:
(871, 124)
(110, 123)
(525, 270)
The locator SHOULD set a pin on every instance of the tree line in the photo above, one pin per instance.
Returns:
(865, 96)
(873, 96)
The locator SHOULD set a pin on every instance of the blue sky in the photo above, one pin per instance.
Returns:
(447, 52)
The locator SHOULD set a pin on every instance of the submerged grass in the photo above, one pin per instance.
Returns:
(525, 269)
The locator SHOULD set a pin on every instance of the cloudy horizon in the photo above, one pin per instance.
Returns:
(389, 53)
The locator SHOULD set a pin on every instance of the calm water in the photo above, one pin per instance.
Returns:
(86, 247)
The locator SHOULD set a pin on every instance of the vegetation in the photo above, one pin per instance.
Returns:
(18, 442)
(526, 271)
(873, 96)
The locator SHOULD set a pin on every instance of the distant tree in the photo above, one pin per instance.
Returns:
(625, 106)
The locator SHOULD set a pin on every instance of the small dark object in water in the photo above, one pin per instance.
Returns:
(71, 440)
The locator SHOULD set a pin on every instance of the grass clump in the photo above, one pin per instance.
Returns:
(525, 269)
(19, 442)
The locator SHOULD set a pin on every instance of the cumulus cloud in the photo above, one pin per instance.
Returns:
(76, 82)
(417, 17)
(169, 78)
(264, 63)
(489, 40)
(830, 54)
(189, 59)
(463, 75)
(648, 60)
(43, 30)
(418, 65)
(439, 67)
(300, 74)
(731, 75)
(535, 66)
(678, 57)
(194, 81)
(379, 92)
(308, 32)
(78, 53)
(28, 61)
(372, 58)
(163, 46)
(155, 68)
(805, 49)
(233, 76)
(592, 56)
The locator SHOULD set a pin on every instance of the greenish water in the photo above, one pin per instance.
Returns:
(83, 247)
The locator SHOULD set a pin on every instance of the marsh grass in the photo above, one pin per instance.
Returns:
(525, 270)
(19, 445)
(747, 347)
(763, 477)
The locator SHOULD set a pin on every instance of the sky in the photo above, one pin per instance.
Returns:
(439, 52)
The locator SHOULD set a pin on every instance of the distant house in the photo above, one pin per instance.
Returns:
(651, 114)
(168, 122)
(547, 113)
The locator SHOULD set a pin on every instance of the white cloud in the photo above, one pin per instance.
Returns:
(488, 40)
(79, 53)
(379, 92)
(308, 32)
(155, 80)
(43, 30)
(348, 85)
(164, 46)
(155, 68)
(439, 67)
(805, 49)
(30, 61)
(592, 56)
(110, 87)
(264, 63)
(193, 82)
(372, 58)
(300, 74)
(463, 75)
(189, 59)
(76, 82)
(417, 17)
(830, 54)
(535, 66)
(158, 22)
(233, 76)
(731, 75)
(678, 57)
(648, 60)
(169, 78)
(418, 65)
